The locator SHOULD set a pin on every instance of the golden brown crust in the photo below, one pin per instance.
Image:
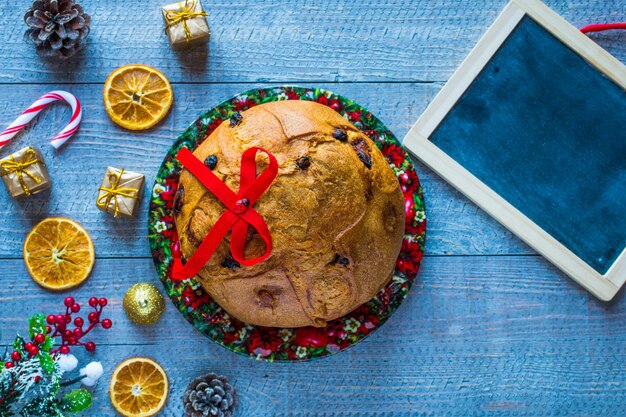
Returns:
(336, 218)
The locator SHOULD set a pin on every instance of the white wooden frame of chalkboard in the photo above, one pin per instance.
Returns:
(417, 140)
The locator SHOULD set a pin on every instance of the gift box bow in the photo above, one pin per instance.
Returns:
(20, 168)
(185, 12)
(240, 213)
(114, 190)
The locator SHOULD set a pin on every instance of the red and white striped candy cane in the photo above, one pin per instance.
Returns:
(34, 109)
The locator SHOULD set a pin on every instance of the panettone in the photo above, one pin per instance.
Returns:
(335, 212)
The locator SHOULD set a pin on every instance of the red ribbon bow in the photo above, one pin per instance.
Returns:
(239, 214)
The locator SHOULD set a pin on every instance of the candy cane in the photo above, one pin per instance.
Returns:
(34, 109)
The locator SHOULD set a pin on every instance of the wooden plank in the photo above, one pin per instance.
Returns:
(455, 225)
(490, 334)
(487, 379)
(288, 41)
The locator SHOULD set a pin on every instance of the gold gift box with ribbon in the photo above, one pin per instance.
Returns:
(24, 173)
(185, 24)
(120, 192)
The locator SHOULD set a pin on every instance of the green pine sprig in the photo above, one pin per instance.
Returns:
(31, 387)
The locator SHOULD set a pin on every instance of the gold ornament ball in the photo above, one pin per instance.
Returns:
(144, 304)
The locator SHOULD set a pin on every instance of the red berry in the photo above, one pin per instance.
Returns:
(60, 319)
(48, 329)
(78, 332)
(8, 365)
(90, 346)
(37, 379)
(106, 323)
(93, 301)
(103, 302)
(68, 318)
(64, 350)
(76, 308)
(51, 319)
(69, 302)
(28, 346)
(78, 322)
(34, 351)
(16, 356)
(93, 316)
(39, 338)
(67, 334)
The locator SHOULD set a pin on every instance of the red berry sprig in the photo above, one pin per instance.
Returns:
(73, 337)
(58, 326)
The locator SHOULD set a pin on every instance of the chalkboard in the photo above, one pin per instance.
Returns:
(547, 131)
(532, 127)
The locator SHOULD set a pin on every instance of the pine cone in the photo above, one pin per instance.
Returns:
(58, 28)
(209, 395)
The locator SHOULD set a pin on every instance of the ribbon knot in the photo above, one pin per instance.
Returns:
(185, 12)
(112, 192)
(11, 166)
(240, 213)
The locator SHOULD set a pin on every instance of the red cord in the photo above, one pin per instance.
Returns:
(603, 26)
(239, 213)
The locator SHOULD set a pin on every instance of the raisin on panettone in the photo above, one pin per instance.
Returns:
(58, 28)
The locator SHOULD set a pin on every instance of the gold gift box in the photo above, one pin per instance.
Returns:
(185, 24)
(120, 192)
(24, 173)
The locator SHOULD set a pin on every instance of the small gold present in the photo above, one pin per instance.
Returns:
(120, 192)
(185, 24)
(24, 173)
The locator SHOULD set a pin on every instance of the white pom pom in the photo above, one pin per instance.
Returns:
(68, 362)
(93, 371)
(88, 382)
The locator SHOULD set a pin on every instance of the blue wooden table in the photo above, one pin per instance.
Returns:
(488, 328)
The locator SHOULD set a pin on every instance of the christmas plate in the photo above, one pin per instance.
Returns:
(276, 344)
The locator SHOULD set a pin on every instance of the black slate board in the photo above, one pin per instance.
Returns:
(546, 131)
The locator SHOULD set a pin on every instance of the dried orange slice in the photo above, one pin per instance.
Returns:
(58, 253)
(137, 96)
(139, 388)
